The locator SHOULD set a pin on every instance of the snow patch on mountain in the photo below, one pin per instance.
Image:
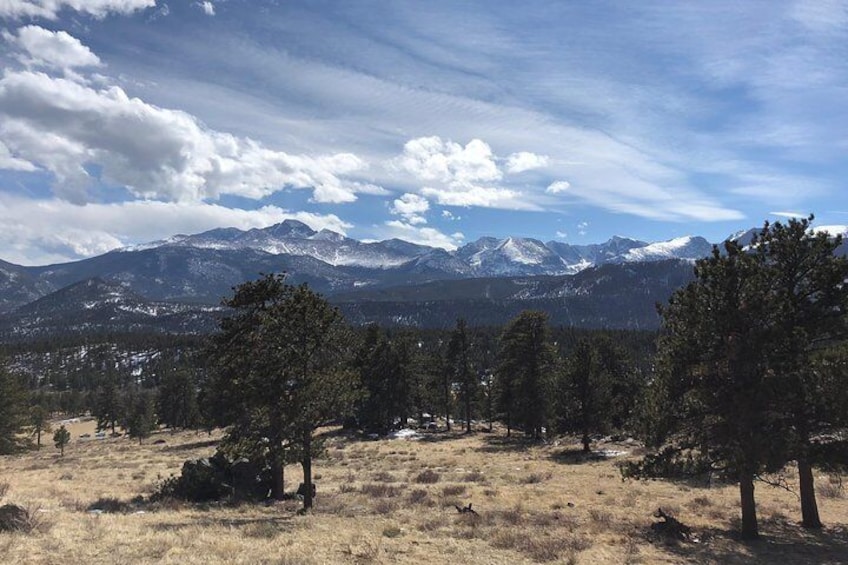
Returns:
(687, 247)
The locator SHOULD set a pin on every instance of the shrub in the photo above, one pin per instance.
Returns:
(832, 488)
(427, 476)
(15, 518)
(109, 505)
(420, 496)
(379, 490)
(453, 490)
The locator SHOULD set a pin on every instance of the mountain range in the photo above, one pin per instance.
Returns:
(177, 284)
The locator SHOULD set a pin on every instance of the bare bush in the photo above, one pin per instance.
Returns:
(14, 518)
(421, 497)
(833, 488)
(380, 490)
(427, 476)
(453, 490)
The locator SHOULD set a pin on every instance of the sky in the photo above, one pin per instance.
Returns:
(439, 122)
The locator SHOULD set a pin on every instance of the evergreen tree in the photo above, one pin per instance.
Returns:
(139, 414)
(282, 359)
(525, 371)
(382, 364)
(108, 405)
(13, 412)
(61, 438)
(597, 390)
(808, 303)
(716, 392)
(39, 421)
(176, 404)
(458, 366)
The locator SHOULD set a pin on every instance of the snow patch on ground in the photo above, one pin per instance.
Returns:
(405, 433)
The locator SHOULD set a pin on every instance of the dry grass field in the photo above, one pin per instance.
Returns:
(393, 501)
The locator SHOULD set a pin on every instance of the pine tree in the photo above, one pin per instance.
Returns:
(39, 422)
(177, 405)
(139, 414)
(282, 361)
(717, 393)
(525, 371)
(808, 302)
(61, 438)
(458, 367)
(13, 412)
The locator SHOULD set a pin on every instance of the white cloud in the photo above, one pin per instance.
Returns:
(525, 161)
(81, 231)
(483, 196)
(433, 159)
(558, 187)
(789, 214)
(582, 228)
(208, 8)
(448, 215)
(562, 234)
(12, 163)
(52, 49)
(411, 207)
(63, 126)
(420, 235)
(457, 175)
(50, 9)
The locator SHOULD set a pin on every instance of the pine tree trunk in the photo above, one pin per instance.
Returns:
(467, 415)
(809, 508)
(447, 406)
(749, 507)
(277, 484)
(307, 470)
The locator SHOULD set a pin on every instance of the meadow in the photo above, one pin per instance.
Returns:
(395, 501)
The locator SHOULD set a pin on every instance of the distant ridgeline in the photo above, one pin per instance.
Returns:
(176, 285)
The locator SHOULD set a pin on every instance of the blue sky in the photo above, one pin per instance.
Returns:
(123, 121)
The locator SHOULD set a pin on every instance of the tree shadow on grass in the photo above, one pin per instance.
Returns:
(192, 445)
(284, 523)
(503, 444)
(780, 542)
(576, 456)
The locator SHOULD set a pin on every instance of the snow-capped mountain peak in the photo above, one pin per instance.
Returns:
(686, 247)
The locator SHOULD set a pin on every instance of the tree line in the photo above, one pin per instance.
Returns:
(746, 375)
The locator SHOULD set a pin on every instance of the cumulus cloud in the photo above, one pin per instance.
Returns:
(50, 9)
(469, 175)
(431, 158)
(582, 227)
(411, 207)
(53, 49)
(64, 126)
(525, 161)
(558, 187)
(421, 235)
(78, 231)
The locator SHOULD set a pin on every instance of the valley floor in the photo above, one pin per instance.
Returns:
(393, 501)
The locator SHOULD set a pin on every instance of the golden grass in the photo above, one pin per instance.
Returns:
(392, 501)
